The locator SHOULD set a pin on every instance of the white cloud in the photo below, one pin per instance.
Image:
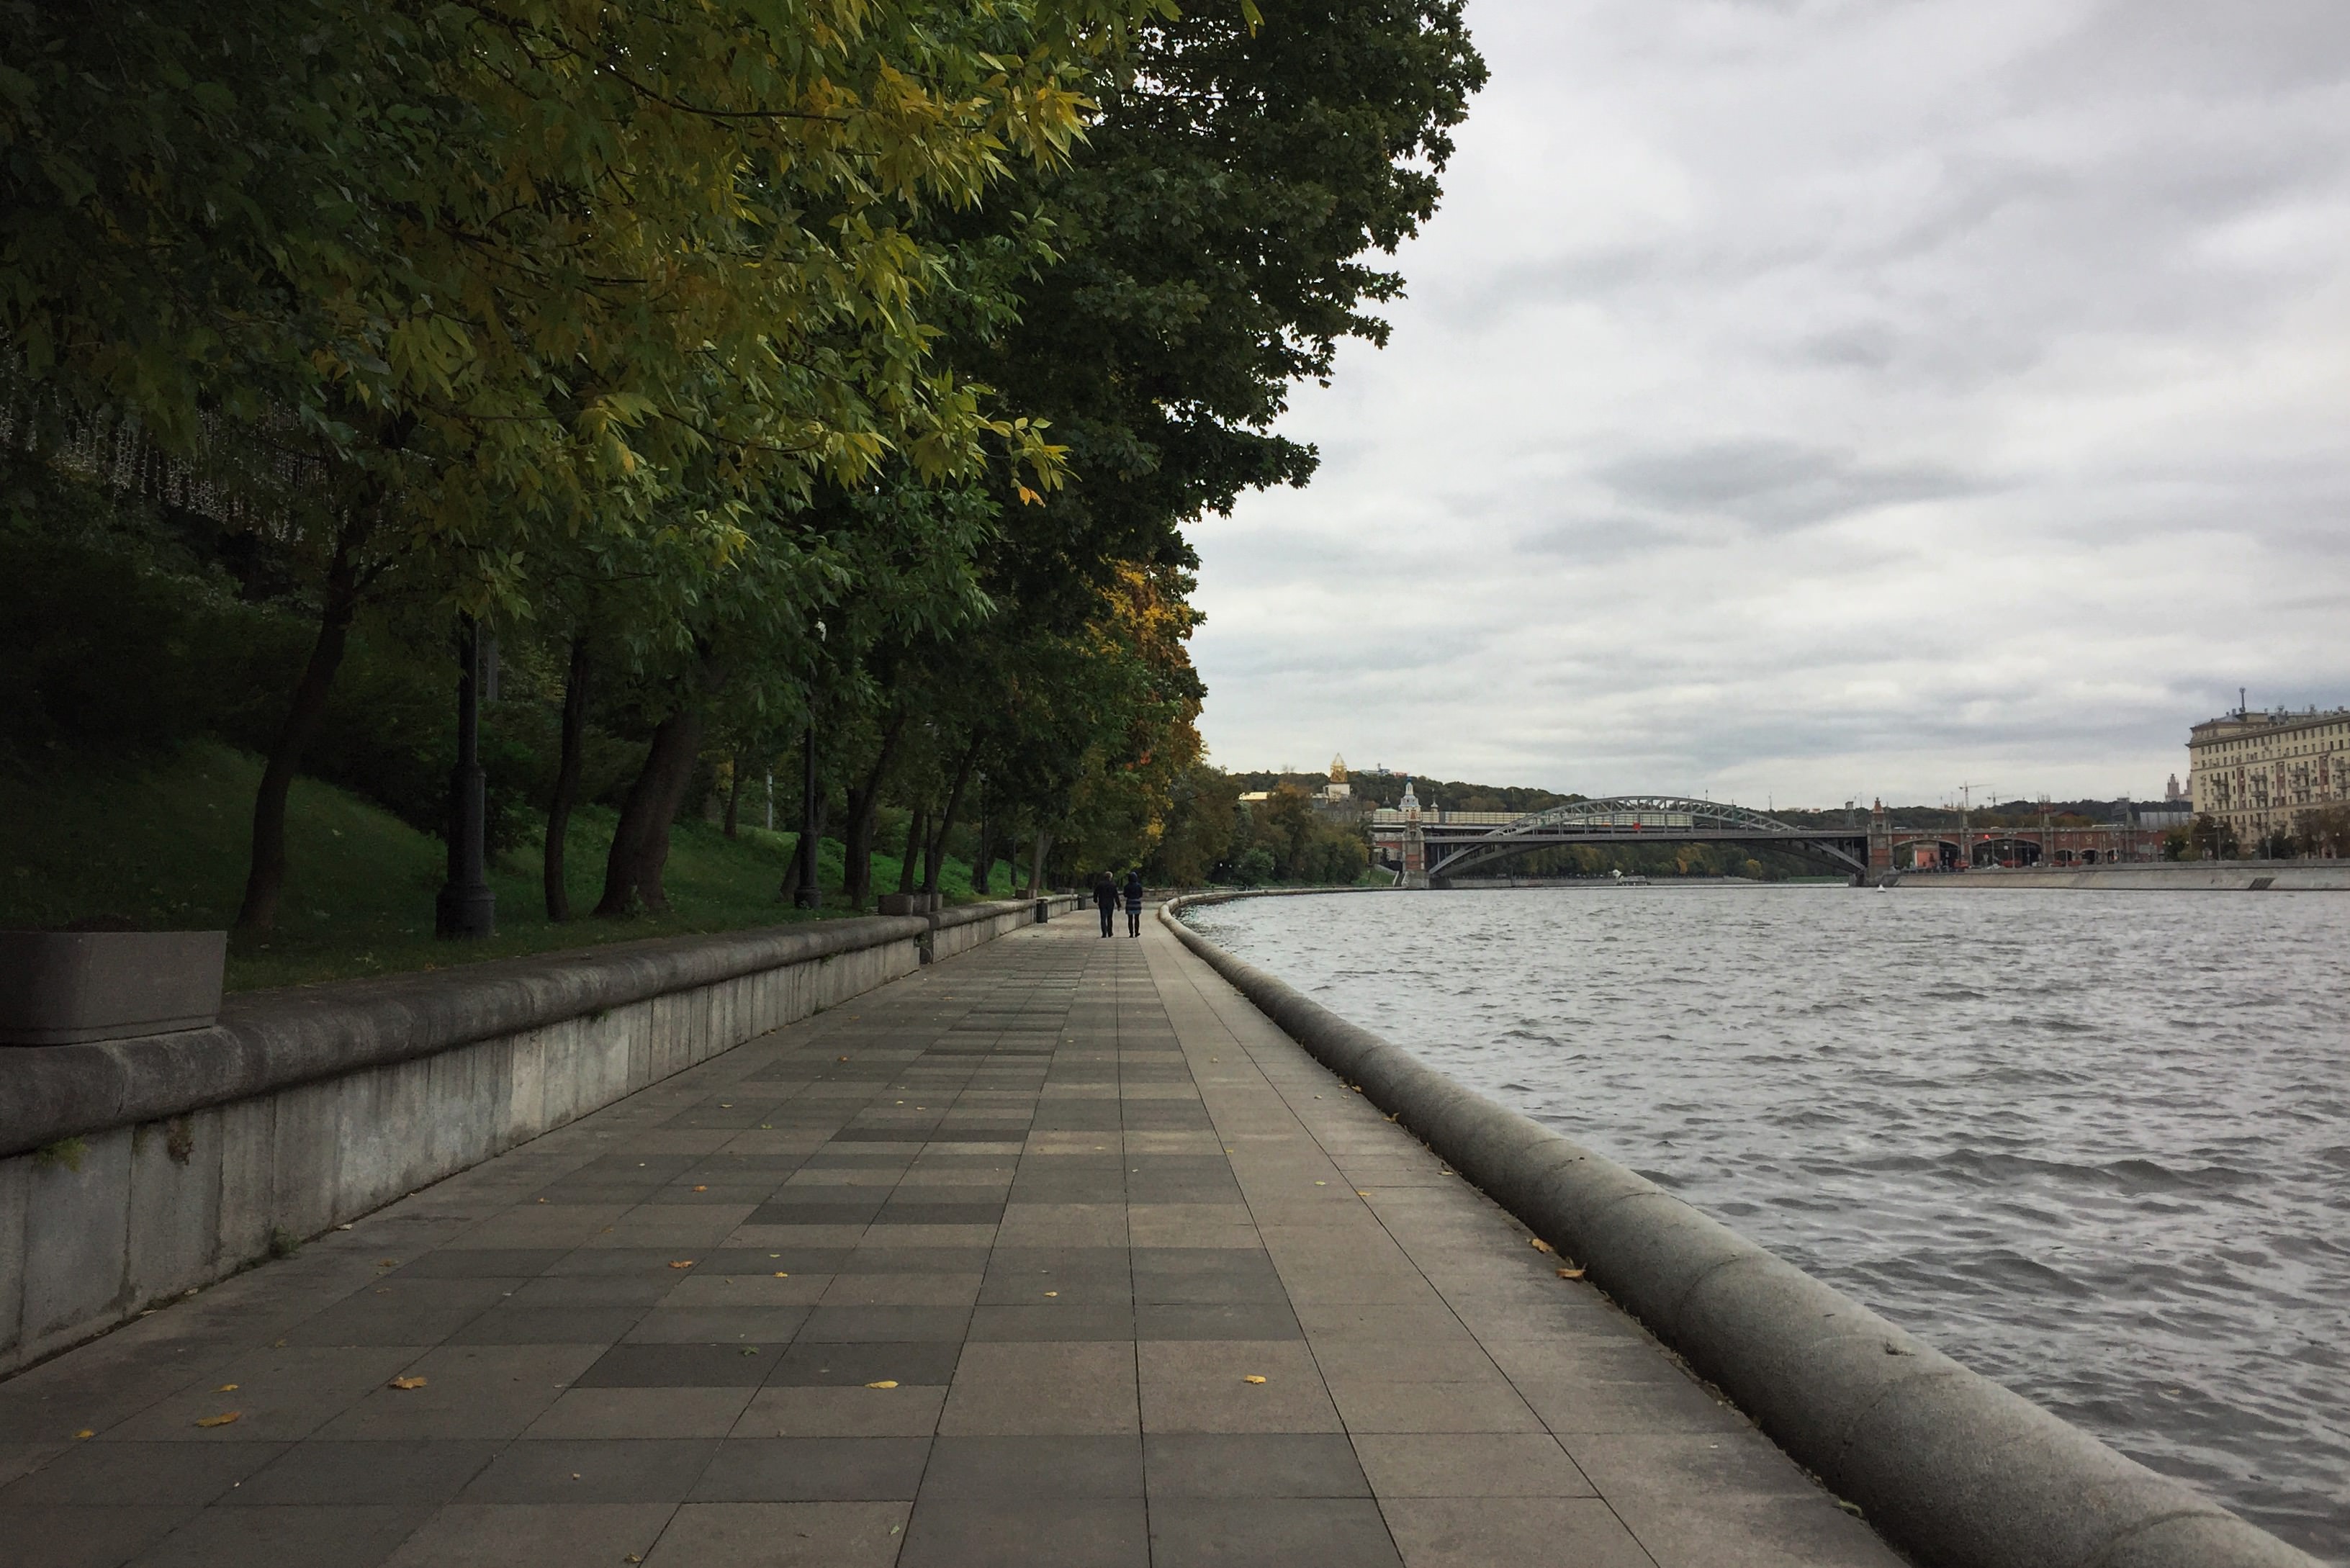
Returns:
(1797, 398)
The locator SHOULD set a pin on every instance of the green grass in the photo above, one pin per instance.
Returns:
(165, 846)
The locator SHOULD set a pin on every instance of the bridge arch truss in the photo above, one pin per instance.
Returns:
(1627, 821)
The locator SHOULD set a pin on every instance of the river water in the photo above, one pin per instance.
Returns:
(2094, 1145)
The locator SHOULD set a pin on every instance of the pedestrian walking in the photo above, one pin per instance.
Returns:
(1104, 899)
(1133, 904)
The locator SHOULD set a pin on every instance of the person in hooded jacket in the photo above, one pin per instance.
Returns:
(1133, 904)
(1104, 897)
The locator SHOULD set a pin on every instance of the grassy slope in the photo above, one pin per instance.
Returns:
(165, 847)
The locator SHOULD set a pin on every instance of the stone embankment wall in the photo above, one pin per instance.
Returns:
(134, 1171)
(1954, 1470)
(2175, 876)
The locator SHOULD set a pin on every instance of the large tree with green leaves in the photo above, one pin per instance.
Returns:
(442, 283)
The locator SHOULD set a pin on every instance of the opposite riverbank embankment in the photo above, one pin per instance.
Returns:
(2172, 876)
(1951, 1467)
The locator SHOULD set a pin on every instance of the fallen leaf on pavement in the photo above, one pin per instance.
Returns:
(781, 1275)
(1253, 1377)
(683, 1263)
(225, 1389)
(1539, 1245)
(885, 1383)
(1570, 1273)
(222, 1419)
(85, 1432)
(406, 1383)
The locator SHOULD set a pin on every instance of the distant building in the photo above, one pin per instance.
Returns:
(2256, 772)
(1337, 788)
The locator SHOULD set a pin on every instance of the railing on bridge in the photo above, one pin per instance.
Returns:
(1448, 846)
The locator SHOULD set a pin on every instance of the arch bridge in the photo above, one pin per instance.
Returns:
(1452, 849)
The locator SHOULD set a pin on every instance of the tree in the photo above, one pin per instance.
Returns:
(2323, 831)
(2211, 838)
(451, 283)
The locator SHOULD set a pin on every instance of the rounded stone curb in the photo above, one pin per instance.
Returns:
(1953, 1469)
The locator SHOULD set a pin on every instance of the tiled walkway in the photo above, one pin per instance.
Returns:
(1055, 1255)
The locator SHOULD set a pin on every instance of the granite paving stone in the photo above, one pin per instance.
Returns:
(1054, 1252)
(782, 1535)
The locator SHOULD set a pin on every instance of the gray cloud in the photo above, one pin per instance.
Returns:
(1774, 484)
(1801, 398)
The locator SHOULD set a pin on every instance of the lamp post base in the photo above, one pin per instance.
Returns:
(465, 913)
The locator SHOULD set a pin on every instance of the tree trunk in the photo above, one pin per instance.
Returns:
(982, 862)
(264, 880)
(908, 863)
(633, 871)
(935, 855)
(1037, 866)
(733, 796)
(864, 810)
(554, 871)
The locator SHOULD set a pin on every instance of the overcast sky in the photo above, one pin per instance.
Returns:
(1799, 399)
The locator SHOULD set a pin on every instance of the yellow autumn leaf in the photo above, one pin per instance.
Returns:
(683, 1263)
(885, 1383)
(406, 1383)
(1570, 1273)
(1539, 1245)
(85, 1432)
(702, 1189)
(223, 1420)
(1254, 1378)
(1362, 1192)
(225, 1389)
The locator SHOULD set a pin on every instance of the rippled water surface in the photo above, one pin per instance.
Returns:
(2095, 1145)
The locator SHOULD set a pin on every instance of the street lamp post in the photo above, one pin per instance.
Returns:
(467, 909)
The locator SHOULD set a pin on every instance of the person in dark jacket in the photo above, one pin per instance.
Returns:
(1104, 897)
(1133, 904)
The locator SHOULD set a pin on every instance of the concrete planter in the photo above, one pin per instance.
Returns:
(899, 904)
(64, 988)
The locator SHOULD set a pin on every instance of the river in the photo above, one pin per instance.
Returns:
(2094, 1145)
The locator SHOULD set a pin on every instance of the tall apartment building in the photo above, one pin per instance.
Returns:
(2255, 771)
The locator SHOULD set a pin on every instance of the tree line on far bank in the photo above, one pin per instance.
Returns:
(830, 371)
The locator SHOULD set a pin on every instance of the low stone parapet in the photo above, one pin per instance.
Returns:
(133, 1170)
